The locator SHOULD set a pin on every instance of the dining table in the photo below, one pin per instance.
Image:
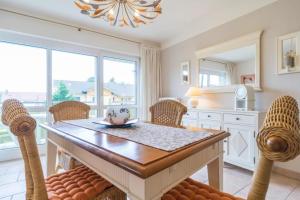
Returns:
(140, 166)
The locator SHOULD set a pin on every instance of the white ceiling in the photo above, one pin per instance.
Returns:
(181, 19)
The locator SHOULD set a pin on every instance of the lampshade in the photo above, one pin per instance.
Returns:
(193, 92)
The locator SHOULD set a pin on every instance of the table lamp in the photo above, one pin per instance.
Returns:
(193, 93)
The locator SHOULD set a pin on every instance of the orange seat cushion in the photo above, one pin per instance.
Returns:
(193, 190)
(80, 183)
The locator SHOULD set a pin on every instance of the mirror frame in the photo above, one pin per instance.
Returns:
(247, 40)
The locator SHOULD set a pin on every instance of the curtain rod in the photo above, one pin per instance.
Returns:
(69, 25)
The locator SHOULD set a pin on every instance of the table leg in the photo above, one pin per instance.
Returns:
(51, 158)
(215, 173)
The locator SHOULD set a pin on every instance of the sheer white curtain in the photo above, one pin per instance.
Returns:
(231, 73)
(150, 78)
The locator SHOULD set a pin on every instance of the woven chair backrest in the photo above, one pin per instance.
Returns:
(70, 110)
(278, 140)
(168, 113)
(23, 126)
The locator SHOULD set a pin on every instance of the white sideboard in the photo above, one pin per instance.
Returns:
(240, 148)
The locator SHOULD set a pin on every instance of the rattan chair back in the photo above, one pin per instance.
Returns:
(23, 126)
(168, 113)
(278, 140)
(69, 110)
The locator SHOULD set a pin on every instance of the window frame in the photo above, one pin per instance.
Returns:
(99, 54)
(94, 104)
(137, 79)
(55, 45)
(13, 152)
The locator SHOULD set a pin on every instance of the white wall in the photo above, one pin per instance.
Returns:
(28, 26)
(279, 18)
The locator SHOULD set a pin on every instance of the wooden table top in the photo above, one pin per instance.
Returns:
(139, 159)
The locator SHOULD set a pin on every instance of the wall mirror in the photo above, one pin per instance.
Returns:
(222, 67)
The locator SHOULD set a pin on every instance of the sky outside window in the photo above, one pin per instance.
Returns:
(23, 73)
(23, 68)
(119, 82)
(73, 77)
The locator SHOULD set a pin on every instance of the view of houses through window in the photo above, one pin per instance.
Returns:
(74, 77)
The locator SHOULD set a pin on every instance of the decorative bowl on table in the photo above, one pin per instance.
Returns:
(117, 118)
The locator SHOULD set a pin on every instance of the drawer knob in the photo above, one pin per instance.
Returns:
(237, 118)
(208, 116)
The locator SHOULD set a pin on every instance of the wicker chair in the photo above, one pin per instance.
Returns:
(68, 110)
(79, 183)
(168, 113)
(278, 140)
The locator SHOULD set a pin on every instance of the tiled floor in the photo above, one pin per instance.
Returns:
(236, 181)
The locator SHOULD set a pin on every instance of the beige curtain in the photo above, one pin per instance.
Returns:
(150, 79)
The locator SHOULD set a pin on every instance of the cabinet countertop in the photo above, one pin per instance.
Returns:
(223, 110)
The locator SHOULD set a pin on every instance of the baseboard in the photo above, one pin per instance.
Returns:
(286, 172)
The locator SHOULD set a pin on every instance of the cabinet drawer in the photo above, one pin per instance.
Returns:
(210, 116)
(191, 115)
(239, 119)
(210, 124)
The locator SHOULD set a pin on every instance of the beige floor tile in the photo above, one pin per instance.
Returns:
(20, 196)
(13, 169)
(235, 179)
(21, 176)
(12, 188)
(6, 198)
(201, 175)
(8, 178)
(10, 163)
(295, 195)
(280, 188)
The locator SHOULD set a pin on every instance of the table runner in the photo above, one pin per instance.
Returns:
(157, 136)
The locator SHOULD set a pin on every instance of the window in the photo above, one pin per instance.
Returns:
(120, 83)
(73, 77)
(213, 73)
(25, 71)
(23, 76)
(211, 78)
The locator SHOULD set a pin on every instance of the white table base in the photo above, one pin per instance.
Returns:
(136, 188)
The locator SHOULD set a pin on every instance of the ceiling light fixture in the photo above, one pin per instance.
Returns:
(121, 12)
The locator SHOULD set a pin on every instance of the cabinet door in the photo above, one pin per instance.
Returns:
(189, 123)
(239, 147)
(210, 125)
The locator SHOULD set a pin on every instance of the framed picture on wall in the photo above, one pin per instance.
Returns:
(288, 53)
(185, 73)
(248, 79)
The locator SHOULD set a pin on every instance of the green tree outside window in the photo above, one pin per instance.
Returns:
(62, 93)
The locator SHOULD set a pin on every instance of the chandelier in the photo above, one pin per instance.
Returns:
(121, 12)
